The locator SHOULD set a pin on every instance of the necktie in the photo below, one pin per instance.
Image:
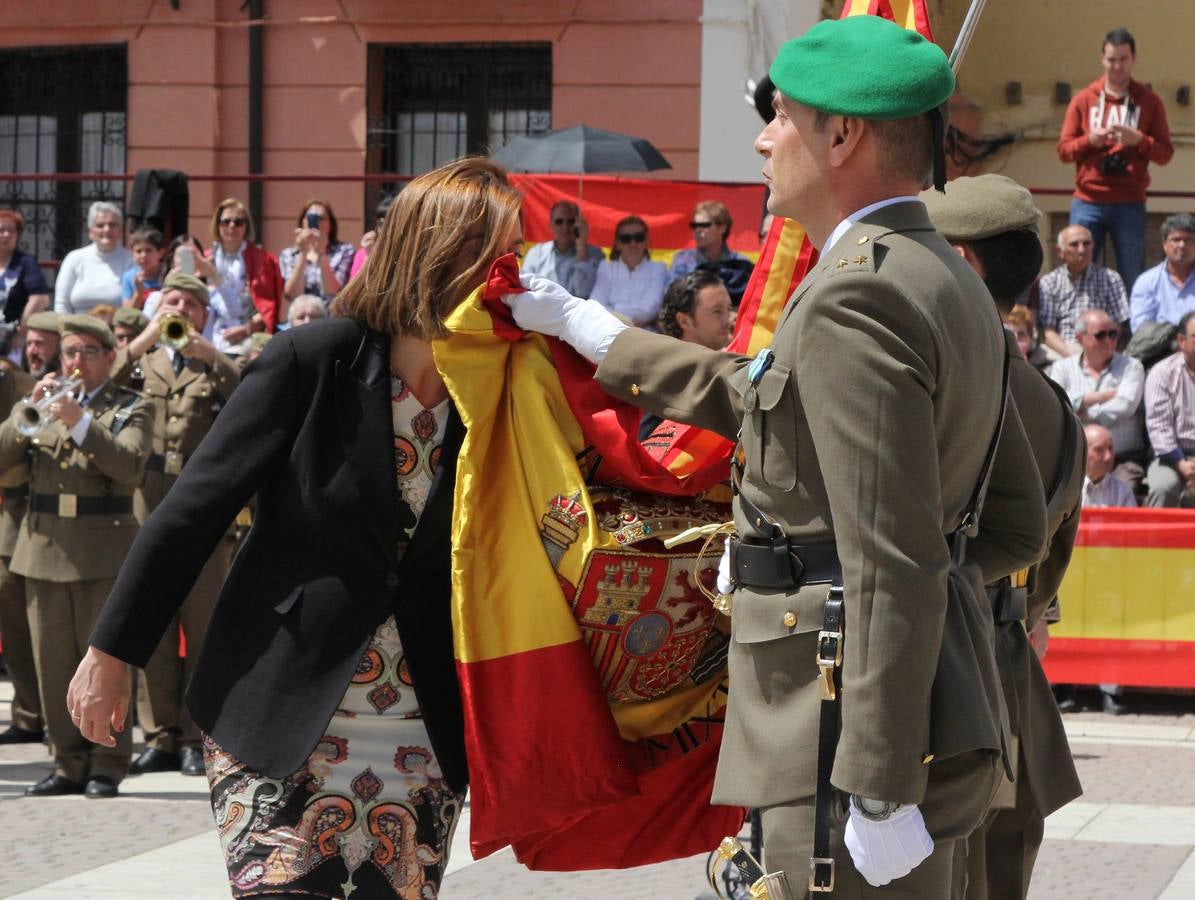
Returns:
(180, 363)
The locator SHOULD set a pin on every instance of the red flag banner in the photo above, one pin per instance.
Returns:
(666, 207)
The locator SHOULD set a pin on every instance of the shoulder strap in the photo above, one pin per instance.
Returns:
(1070, 442)
(969, 526)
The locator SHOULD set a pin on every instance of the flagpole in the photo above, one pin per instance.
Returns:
(970, 23)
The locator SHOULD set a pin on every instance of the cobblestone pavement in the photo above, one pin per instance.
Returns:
(1131, 834)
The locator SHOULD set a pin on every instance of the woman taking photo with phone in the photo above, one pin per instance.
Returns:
(318, 262)
(326, 688)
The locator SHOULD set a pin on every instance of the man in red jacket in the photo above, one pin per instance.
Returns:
(1114, 128)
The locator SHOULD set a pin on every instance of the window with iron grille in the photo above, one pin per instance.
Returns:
(431, 103)
(62, 109)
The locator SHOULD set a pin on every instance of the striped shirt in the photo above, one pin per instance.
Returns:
(1170, 408)
(1062, 298)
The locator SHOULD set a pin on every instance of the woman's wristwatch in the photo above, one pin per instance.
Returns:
(873, 810)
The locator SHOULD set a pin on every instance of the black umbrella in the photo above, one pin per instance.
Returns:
(580, 150)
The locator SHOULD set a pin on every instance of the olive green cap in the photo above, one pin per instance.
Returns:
(46, 320)
(89, 325)
(130, 317)
(189, 283)
(258, 341)
(863, 66)
(981, 206)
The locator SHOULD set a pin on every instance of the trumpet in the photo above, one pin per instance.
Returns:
(175, 331)
(31, 416)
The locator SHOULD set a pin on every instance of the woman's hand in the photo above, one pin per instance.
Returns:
(98, 697)
(309, 243)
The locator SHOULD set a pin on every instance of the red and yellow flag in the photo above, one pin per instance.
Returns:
(1127, 616)
(592, 667)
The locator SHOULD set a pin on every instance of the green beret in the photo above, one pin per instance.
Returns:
(863, 66)
(258, 342)
(46, 320)
(130, 317)
(973, 208)
(188, 283)
(89, 325)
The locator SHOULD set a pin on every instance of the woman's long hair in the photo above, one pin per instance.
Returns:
(437, 242)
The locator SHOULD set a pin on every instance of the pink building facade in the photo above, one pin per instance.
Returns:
(347, 88)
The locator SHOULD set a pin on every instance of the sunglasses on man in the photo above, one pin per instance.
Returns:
(564, 221)
(632, 237)
(1106, 334)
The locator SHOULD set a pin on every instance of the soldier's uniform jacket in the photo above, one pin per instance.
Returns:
(1033, 712)
(108, 464)
(869, 430)
(184, 407)
(15, 384)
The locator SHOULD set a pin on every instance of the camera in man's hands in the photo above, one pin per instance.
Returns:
(1114, 163)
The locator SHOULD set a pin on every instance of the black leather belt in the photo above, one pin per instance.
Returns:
(778, 565)
(71, 505)
(19, 492)
(1009, 603)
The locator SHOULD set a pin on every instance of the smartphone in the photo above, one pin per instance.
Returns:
(185, 257)
(313, 220)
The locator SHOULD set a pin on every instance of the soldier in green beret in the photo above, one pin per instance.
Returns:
(857, 490)
(186, 385)
(84, 464)
(992, 221)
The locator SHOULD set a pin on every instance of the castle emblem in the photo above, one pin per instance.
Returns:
(620, 593)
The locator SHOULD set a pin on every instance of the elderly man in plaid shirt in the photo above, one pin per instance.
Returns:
(1077, 285)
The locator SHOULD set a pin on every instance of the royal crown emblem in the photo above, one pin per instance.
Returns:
(561, 525)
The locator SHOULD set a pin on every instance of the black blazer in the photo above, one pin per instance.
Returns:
(309, 431)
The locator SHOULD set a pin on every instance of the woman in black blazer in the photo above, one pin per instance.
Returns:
(326, 687)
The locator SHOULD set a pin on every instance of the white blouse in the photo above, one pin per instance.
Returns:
(635, 293)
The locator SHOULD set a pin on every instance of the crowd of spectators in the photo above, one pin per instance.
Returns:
(630, 282)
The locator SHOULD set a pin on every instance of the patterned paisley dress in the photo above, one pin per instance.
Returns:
(369, 813)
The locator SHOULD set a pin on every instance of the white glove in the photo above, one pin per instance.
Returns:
(548, 308)
(724, 583)
(883, 851)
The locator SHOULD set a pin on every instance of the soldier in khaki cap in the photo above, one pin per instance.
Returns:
(84, 464)
(992, 222)
(127, 323)
(186, 385)
(867, 430)
(41, 343)
(27, 726)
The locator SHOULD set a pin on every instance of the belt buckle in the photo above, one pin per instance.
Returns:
(821, 875)
(829, 658)
(173, 462)
(68, 506)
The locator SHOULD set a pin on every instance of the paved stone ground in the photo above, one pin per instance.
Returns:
(1132, 834)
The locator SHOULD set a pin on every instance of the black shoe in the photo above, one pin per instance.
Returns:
(1112, 706)
(14, 735)
(100, 787)
(154, 760)
(53, 786)
(192, 761)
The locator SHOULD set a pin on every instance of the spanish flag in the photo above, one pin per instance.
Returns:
(592, 666)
